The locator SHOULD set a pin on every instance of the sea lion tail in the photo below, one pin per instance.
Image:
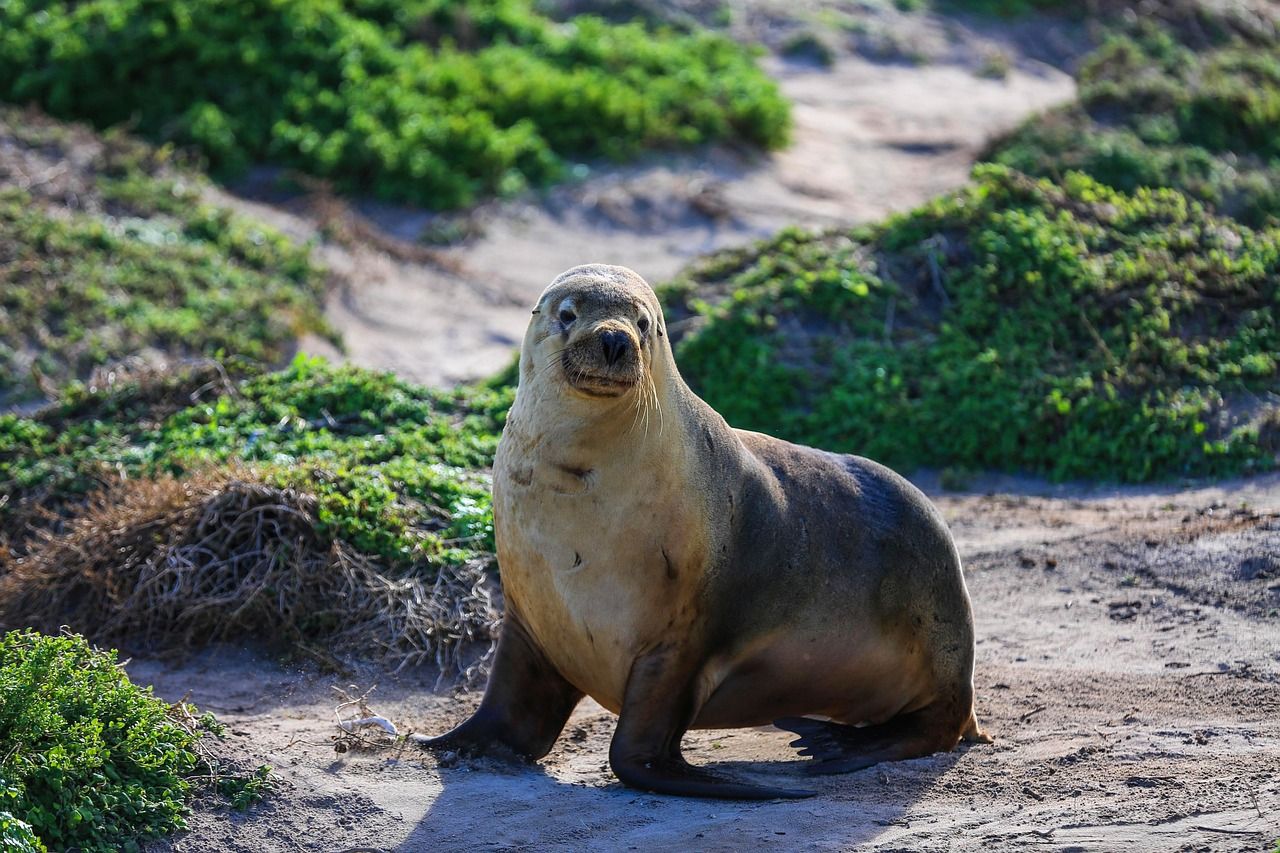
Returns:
(972, 733)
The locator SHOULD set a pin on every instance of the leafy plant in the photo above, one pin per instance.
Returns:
(1156, 111)
(243, 791)
(400, 472)
(430, 101)
(16, 835)
(1062, 328)
(94, 762)
(1115, 320)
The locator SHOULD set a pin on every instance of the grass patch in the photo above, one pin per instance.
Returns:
(89, 760)
(107, 251)
(398, 470)
(318, 504)
(1065, 329)
(432, 102)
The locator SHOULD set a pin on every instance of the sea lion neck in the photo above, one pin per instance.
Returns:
(546, 416)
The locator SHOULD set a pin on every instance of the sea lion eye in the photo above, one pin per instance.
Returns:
(643, 324)
(567, 316)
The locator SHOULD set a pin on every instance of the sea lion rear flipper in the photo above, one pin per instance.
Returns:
(525, 705)
(817, 738)
(840, 748)
(656, 711)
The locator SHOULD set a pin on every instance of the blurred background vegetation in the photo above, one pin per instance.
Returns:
(434, 102)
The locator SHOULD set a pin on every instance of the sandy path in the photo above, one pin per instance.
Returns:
(1128, 664)
(870, 139)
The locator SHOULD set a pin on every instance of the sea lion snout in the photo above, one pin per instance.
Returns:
(615, 345)
(604, 360)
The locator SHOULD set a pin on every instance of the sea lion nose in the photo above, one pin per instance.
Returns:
(615, 345)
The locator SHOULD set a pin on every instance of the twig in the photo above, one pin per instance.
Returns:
(1227, 831)
(1032, 712)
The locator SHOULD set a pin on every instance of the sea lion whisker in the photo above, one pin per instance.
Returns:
(637, 408)
(657, 402)
(551, 361)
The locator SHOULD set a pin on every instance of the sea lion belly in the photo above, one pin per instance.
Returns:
(589, 562)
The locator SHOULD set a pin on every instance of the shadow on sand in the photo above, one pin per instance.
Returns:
(527, 808)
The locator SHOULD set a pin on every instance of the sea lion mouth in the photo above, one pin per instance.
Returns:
(602, 362)
(595, 385)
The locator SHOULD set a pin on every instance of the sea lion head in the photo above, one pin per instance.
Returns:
(597, 331)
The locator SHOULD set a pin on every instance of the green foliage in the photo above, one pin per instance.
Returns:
(400, 471)
(243, 791)
(1066, 329)
(1078, 326)
(429, 101)
(16, 836)
(1154, 112)
(143, 264)
(93, 762)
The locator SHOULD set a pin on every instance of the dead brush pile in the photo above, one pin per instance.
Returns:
(166, 565)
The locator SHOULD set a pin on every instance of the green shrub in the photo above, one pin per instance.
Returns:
(1078, 326)
(400, 471)
(142, 265)
(1154, 112)
(94, 762)
(16, 835)
(1061, 328)
(430, 101)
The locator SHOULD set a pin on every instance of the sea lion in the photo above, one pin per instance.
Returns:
(686, 574)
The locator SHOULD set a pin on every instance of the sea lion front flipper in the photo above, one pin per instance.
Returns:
(657, 708)
(525, 706)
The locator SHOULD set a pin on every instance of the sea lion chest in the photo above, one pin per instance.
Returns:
(599, 555)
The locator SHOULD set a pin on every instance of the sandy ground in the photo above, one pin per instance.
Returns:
(871, 137)
(1128, 666)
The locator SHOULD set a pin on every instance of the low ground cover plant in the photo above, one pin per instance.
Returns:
(325, 506)
(1194, 107)
(1101, 303)
(16, 835)
(432, 102)
(88, 760)
(107, 250)
(1062, 328)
